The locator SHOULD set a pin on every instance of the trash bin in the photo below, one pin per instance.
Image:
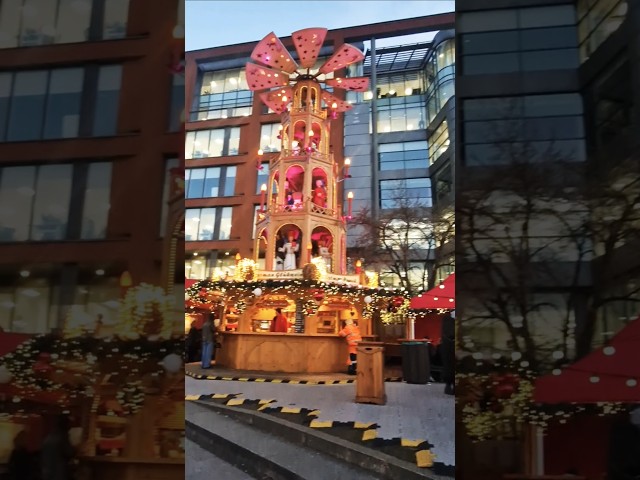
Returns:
(370, 373)
(415, 362)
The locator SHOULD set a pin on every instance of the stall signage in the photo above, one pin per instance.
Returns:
(348, 279)
(280, 274)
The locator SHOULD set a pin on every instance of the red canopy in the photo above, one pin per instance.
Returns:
(10, 341)
(442, 296)
(189, 282)
(608, 374)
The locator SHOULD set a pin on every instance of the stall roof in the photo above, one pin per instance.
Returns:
(609, 374)
(442, 296)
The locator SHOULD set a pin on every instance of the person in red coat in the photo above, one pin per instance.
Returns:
(280, 323)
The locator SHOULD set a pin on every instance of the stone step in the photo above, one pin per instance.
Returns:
(202, 462)
(260, 454)
(378, 464)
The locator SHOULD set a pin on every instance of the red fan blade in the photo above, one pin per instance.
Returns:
(358, 84)
(277, 100)
(271, 52)
(259, 78)
(331, 100)
(308, 43)
(343, 56)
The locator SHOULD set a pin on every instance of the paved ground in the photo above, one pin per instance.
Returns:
(195, 368)
(202, 465)
(412, 411)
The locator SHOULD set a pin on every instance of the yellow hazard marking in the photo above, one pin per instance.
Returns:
(411, 443)
(192, 397)
(262, 402)
(369, 435)
(276, 380)
(227, 378)
(319, 424)
(312, 383)
(361, 425)
(235, 401)
(424, 458)
(315, 413)
(243, 379)
(294, 381)
(220, 395)
(259, 379)
(343, 382)
(266, 405)
(290, 410)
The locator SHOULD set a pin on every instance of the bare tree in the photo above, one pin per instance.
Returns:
(411, 240)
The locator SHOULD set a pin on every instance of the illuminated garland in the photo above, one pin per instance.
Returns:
(497, 404)
(146, 311)
(397, 314)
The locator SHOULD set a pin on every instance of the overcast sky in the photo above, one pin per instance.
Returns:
(213, 23)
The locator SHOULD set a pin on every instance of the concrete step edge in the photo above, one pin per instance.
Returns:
(380, 463)
(255, 465)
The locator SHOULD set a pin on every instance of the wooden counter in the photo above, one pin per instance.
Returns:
(283, 352)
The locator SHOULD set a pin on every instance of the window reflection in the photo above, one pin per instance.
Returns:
(210, 182)
(223, 94)
(212, 143)
(269, 141)
(438, 142)
(202, 224)
(402, 156)
(51, 208)
(597, 20)
(95, 213)
(26, 23)
(411, 191)
(106, 113)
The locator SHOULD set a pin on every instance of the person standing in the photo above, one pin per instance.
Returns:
(351, 333)
(191, 343)
(448, 352)
(20, 465)
(57, 452)
(208, 341)
(279, 324)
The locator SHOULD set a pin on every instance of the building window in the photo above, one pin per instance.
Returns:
(597, 20)
(203, 224)
(537, 127)
(42, 203)
(51, 104)
(269, 141)
(400, 85)
(438, 142)
(443, 183)
(27, 23)
(411, 191)
(169, 164)
(401, 114)
(263, 176)
(210, 182)
(223, 94)
(532, 39)
(219, 263)
(403, 156)
(220, 142)
(177, 103)
(440, 72)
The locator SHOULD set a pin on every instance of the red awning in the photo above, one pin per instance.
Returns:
(608, 374)
(10, 341)
(189, 282)
(442, 296)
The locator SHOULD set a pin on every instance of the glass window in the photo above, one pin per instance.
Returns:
(269, 141)
(205, 224)
(5, 96)
(223, 94)
(438, 142)
(17, 192)
(487, 64)
(598, 19)
(107, 100)
(491, 42)
(210, 182)
(415, 191)
(263, 176)
(547, 16)
(26, 23)
(51, 207)
(63, 103)
(230, 182)
(95, 214)
(212, 143)
(114, 24)
(487, 21)
(407, 155)
(27, 105)
(401, 114)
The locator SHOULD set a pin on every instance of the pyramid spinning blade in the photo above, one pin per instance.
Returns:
(308, 43)
(260, 78)
(343, 56)
(331, 100)
(357, 84)
(277, 100)
(272, 53)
